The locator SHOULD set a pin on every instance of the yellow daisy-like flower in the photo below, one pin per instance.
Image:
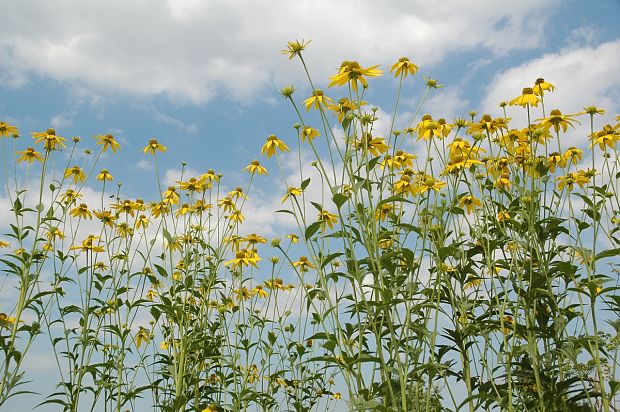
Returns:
(428, 128)
(49, 139)
(294, 48)
(558, 121)
(327, 219)
(108, 142)
(170, 196)
(236, 216)
(254, 239)
(403, 67)
(469, 202)
(309, 133)
(375, 145)
(345, 106)
(255, 167)
(351, 72)
(154, 146)
(503, 181)
(70, 197)
(573, 155)
(555, 159)
(104, 175)
(143, 336)
(227, 203)
(106, 217)
(210, 176)
(503, 216)
(318, 100)
(527, 98)
(244, 257)
(272, 144)
(606, 137)
(6, 130)
(293, 237)
(76, 173)
(29, 155)
(81, 212)
(303, 264)
(158, 209)
(337, 396)
(426, 182)
(88, 245)
(260, 291)
(541, 86)
(4, 244)
(142, 222)
(242, 293)
(192, 185)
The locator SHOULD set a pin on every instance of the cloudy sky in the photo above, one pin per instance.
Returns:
(203, 75)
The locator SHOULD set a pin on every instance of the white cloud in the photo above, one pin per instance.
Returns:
(583, 76)
(191, 51)
(62, 120)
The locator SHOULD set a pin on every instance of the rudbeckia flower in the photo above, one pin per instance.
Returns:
(527, 98)
(107, 141)
(49, 139)
(309, 133)
(469, 202)
(294, 48)
(76, 174)
(154, 146)
(272, 144)
(255, 167)
(6, 130)
(87, 245)
(403, 67)
(540, 86)
(29, 155)
(557, 120)
(606, 137)
(81, 211)
(351, 72)
(317, 100)
(104, 175)
(303, 264)
(327, 219)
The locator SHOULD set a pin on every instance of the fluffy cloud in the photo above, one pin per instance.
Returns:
(191, 50)
(583, 76)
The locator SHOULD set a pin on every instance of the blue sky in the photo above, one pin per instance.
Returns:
(203, 76)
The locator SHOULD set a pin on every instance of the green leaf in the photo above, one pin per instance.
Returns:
(339, 199)
(312, 229)
(305, 184)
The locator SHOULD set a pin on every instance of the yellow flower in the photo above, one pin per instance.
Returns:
(403, 67)
(540, 86)
(142, 222)
(237, 193)
(151, 294)
(81, 211)
(375, 145)
(327, 219)
(201, 206)
(309, 133)
(303, 264)
(503, 181)
(124, 230)
(4, 244)
(503, 215)
(29, 155)
(158, 209)
(555, 160)
(469, 202)
(107, 141)
(6, 130)
(255, 167)
(154, 146)
(260, 291)
(49, 139)
(580, 178)
(427, 128)
(192, 185)
(337, 396)
(104, 175)
(272, 144)
(254, 239)
(606, 137)
(444, 128)
(488, 124)
(244, 257)
(164, 345)
(227, 203)
(508, 322)
(345, 106)
(106, 217)
(527, 98)
(242, 293)
(404, 185)
(291, 192)
(592, 110)
(87, 245)
(143, 336)
(54, 233)
(294, 48)
(557, 120)
(427, 182)
(573, 155)
(293, 237)
(384, 211)
(351, 72)
(236, 216)
(170, 196)
(318, 99)
(76, 174)
(69, 197)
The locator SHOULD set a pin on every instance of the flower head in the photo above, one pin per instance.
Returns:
(351, 72)
(403, 67)
(29, 155)
(6, 130)
(49, 139)
(558, 121)
(540, 86)
(272, 144)
(255, 167)
(317, 100)
(527, 98)
(294, 48)
(104, 175)
(108, 142)
(154, 146)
